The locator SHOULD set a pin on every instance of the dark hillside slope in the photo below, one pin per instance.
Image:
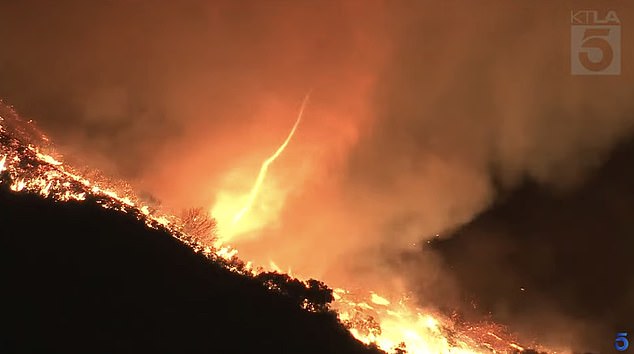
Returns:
(559, 263)
(79, 278)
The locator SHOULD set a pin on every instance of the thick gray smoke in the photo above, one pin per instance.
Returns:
(472, 93)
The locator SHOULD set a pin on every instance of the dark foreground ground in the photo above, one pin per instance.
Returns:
(76, 278)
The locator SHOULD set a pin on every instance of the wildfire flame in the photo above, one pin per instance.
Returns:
(400, 325)
(395, 326)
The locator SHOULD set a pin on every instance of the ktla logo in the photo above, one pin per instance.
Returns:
(595, 43)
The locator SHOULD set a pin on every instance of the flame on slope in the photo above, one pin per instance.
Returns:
(29, 168)
(394, 326)
(399, 326)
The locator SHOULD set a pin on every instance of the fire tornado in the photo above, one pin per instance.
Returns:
(265, 165)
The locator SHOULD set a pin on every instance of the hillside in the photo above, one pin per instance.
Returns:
(80, 278)
(86, 262)
(558, 263)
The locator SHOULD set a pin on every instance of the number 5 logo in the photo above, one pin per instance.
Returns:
(596, 38)
(621, 343)
(595, 44)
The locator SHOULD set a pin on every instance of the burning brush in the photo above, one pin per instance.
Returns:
(29, 164)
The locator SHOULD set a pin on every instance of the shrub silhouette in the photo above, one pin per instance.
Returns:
(313, 295)
(199, 225)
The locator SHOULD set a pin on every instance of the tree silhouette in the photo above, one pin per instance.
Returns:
(199, 225)
(313, 295)
(318, 296)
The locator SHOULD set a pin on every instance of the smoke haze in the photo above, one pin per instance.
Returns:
(420, 113)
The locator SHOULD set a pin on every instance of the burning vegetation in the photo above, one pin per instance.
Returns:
(29, 164)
